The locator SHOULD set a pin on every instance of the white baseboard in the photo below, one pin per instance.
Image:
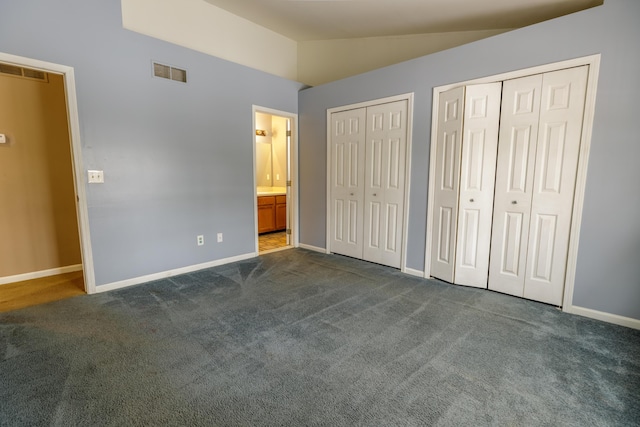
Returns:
(313, 248)
(169, 273)
(605, 317)
(38, 274)
(413, 272)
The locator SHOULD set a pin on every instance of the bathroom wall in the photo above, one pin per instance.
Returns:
(264, 151)
(279, 141)
(271, 151)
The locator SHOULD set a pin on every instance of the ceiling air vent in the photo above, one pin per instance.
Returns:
(171, 73)
(27, 73)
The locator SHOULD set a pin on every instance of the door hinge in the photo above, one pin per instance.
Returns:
(288, 133)
(289, 183)
(288, 231)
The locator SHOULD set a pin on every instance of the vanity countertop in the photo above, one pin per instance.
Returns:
(272, 191)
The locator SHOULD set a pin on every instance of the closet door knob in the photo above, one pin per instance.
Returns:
(375, 194)
(351, 194)
(514, 202)
(471, 200)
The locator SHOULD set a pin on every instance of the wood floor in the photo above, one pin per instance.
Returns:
(40, 291)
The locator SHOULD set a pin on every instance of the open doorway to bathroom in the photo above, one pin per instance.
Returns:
(275, 176)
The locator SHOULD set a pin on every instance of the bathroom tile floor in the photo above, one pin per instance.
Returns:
(270, 241)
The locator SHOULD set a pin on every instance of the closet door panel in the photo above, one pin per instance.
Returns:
(447, 184)
(559, 134)
(386, 139)
(347, 181)
(477, 181)
(514, 183)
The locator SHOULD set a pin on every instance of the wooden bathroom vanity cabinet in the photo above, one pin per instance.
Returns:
(272, 213)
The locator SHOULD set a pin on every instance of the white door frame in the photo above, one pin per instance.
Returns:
(593, 62)
(405, 229)
(293, 161)
(82, 211)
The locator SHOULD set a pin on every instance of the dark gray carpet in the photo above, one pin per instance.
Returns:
(300, 338)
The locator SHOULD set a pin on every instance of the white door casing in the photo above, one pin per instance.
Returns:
(79, 173)
(288, 183)
(385, 154)
(514, 181)
(559, 134)
(477, 180)
(347, 141)
(291, 173)
(447, 182)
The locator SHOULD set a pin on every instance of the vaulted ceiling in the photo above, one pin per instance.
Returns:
(305, 20)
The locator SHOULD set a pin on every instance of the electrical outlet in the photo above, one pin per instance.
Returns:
(219, 237)
(200, 240)
(96, 177)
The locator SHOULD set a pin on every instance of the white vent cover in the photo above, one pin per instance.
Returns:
(168, 72)
(27, 73)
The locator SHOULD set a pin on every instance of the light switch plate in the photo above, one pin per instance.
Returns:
(96, 177)
(3, 138)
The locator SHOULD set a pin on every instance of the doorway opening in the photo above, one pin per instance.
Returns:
(44, 191)
(275, 176)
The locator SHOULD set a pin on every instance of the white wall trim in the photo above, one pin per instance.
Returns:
(38, 274)
(605, 317)
(432, 180)
(407, 185)
(313, 248)
(170, 273)
(294, 220)
(539, 69)
(414, 272)
(593, 61)
(408, 156)
(581, 180)
(76, 157)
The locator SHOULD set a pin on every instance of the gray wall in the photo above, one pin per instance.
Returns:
(608, 271)
(177, 158)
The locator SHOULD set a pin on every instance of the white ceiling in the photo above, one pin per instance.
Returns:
(304, 20)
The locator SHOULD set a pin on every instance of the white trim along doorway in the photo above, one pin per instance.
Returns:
(591, 63)
(291, 181)
(368, 179)
(76, 153)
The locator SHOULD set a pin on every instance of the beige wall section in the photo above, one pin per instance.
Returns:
(201, 26)
(38, 223)
(264, 152)
(279, 146)
(328, 60)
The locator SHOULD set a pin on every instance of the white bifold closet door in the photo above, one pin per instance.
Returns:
(511, 232)
(368, 161)
(347, 181)
(467, 143)
(540, 134)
